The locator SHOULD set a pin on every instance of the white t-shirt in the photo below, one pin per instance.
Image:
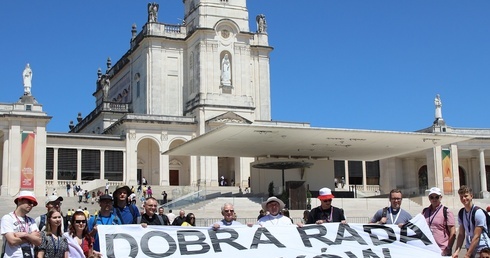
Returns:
(10, 223)
(278, 220)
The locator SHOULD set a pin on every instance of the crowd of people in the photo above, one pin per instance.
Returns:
(75, 234)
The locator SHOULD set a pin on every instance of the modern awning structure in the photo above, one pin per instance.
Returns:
(252, 140)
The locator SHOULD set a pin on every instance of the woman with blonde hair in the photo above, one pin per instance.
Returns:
(53, 243)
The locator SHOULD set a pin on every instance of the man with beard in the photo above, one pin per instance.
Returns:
(393, 214)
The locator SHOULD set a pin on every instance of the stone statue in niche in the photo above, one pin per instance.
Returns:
(225, 71)
(27, 76)
(261, 24)
(152, 12)
(105, 84)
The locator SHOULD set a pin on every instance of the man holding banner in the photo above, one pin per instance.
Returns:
(273, 205)
(393, 214)
(326, 213)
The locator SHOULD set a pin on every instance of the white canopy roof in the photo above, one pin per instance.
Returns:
(252, 140)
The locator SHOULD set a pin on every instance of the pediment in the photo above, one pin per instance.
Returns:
(229, 117)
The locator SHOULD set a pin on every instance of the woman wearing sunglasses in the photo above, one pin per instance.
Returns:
(53, 243)
(190, 220)
(80, 242)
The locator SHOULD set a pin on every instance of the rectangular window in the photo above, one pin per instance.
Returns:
(67, 164)
(113, 167)
(49, 163)
(90, 164)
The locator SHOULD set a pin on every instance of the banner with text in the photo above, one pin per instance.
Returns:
(326, 240)
(27, 161)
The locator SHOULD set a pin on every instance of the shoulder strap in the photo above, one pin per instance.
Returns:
(138, 220)
(160, 219)
(385, 212)
(460, 214)
(42, 222)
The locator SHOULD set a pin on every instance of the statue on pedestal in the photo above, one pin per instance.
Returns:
(152, 12)
(261, 24)
(438, 104)
(27, 76)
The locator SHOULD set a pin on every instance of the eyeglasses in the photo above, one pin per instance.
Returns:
(80, 221)
(434, 197)
(327, 200)
(396, 199)
(229, 210)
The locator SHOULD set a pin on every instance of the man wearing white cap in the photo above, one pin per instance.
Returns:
(52, 202)
(18, 229)
(273, 205)
(326, 213)
(441, 222)
(393, 214)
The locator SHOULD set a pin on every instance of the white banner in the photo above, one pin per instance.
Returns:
(328, 240)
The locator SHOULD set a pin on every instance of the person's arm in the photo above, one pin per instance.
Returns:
(451, 239)
(40, 254)
(474, 241)
(459, 241)
(34, 238)
(377, 219)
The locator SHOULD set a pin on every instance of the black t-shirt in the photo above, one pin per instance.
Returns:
(333, 214)
(150, 221)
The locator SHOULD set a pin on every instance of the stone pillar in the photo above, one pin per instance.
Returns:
(79, 166)
(364, 177)
(346, 165)
(55, 166)
(455, 168)
(102, 164)
(483, 174)
(5, 162)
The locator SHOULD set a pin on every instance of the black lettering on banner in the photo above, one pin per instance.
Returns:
(354, 235)
(322, 230)
(350, 254)
(172, 246)
(419, 235)
(369, 253)
(374, 238)
(182, 234)
(109, 240)
(272, 240)
(386, 252)
(216, 241)
(327, 256)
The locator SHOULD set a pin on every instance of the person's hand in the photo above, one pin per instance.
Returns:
(144, 225)
(343, 221)
(319, 221)
(300, 225)
(216, 226)
(383, 220)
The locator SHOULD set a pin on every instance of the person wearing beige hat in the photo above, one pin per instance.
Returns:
(19, 230)
(441, 222)
(326, 213)
(273, 205)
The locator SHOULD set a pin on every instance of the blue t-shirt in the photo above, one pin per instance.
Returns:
(128, 214)
(469, 228)
(101, 220)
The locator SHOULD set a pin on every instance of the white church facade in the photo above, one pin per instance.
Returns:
(179, 82)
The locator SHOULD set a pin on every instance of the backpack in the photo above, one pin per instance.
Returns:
(460, 216)
(444, 213)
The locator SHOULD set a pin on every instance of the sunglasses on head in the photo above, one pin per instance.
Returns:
(434, 197)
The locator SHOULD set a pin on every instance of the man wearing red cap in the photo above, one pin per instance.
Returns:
(326, 213)
(19, 230)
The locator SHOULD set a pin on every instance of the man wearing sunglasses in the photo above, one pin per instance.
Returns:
(326, 213)
(393, 214)
(441, 222)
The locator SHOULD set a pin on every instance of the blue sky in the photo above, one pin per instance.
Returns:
(356, 64)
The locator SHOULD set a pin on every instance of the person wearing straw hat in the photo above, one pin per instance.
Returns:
(19, 230)
(273, 205)
(326, 213)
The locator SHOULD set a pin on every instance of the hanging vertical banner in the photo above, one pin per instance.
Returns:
(27, 162)
(447, 172)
